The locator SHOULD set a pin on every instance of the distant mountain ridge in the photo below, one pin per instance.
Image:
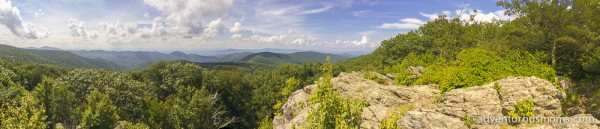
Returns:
(10, 54)
(293, 58)
(133, 60)
(129, 60)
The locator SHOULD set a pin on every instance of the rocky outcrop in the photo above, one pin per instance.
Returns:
(431, 110)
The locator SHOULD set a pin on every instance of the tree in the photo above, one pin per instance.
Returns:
(23, 113)
(331, 110)
(196, 108)
(100, 112)
(563, 29)
(167, 77)
(59, 104)
(126, 93)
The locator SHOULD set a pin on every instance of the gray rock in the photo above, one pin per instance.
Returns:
(447, 112)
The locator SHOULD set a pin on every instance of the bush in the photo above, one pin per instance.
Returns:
(522, 109)
(391, 121)
(478, 66)
(129, 125)
(331, 111)
(469, 120)
(403, 75)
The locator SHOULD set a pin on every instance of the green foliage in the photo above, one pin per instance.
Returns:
(167, 77)
(187, 108)
(331, 110)
(406, 77)
(591, 61)
(126, 93)
(291, 84)
(277, 59)
(32, 74)
(266, 123)
(497, 87)
(9, 90)
(59, 104)
(523, 108)
(23, 113)
(373, 76)
(478, 66)
(571, 101)
(62, 58)
(100, 112)
(469, 120)
(391, 122)
(185, 113)
(129, 125)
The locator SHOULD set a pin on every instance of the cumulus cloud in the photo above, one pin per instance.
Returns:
(465, 14)
(364, 41)
(77, 28)
(118, 30)
(406, 23)
(10, 17)
(235, 30)
(213, 29)
(188, 14)
(159, 27)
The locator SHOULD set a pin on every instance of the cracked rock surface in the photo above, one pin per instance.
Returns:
(432, 112)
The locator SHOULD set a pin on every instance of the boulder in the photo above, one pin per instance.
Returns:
(431, 109)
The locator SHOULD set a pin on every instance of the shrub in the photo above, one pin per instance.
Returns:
(469, 120)
(478, 66)
(331, 111)
(129, 125)
(403, 75)
(522, 109)
(391, 121)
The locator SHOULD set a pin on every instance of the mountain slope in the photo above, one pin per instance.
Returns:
(293, 58)
(132, 60)
(63, 58)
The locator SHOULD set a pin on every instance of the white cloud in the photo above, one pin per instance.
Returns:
(188, 14)
(236, 36)
(412, 20)
(10, 17)
(159, 28)
(465, 14)
(318, 10)
(40, 12)
(77, 28)
(406, 23)
(235, 30)
(480, 16)
(213, 29)
(364, 41)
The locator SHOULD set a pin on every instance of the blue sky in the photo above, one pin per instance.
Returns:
(167, 25)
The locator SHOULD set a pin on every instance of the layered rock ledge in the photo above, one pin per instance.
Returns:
(431, 110)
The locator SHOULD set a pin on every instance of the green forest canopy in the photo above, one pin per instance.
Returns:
(550, 39)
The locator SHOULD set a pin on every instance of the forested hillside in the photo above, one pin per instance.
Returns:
(133, 60)
(555, 40)
(57, 57)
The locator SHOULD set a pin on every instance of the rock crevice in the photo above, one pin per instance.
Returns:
(493, 99)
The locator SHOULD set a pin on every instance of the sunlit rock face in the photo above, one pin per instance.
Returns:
(431, 110)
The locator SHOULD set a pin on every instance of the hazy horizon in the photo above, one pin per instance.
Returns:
(189, 25)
